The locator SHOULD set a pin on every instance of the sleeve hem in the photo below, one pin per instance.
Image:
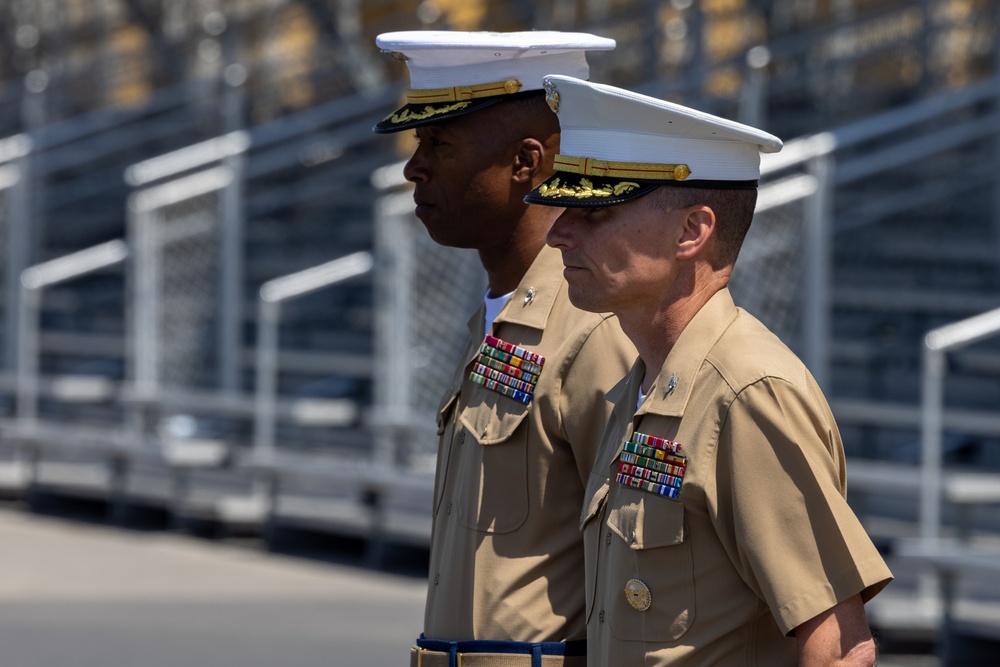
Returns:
(809, 605)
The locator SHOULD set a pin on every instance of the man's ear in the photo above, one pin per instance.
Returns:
(699, 227)
(528, 160)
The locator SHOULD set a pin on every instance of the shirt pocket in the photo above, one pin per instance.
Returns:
(595, 499)
(496, 495)
(656, 554)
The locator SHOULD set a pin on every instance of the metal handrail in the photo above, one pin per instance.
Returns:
(35, 279)
(937, 343)
(187, 158)
(272, 295)
(800, 151)
(815, 155)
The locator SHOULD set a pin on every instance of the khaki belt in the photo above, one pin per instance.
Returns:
(421, 657)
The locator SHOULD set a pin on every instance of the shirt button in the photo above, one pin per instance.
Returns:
(437, 578)
(448, 510)
(600, 616)
(461, 438)
(607, 538)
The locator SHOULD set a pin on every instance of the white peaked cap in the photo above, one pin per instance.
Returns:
(453, 72)
(442, 58)
(614, 137)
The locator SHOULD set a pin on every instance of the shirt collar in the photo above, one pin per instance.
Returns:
(629, 385)
(529, 305)
(534, 297)
(672, 388)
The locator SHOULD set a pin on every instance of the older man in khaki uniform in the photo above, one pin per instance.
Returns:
(522, 418)
(716, 523)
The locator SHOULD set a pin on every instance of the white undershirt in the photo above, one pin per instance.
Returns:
(494, 304)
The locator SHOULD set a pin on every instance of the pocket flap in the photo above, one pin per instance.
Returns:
(593, 498)
(646, 521)
(447, 403)
(492, 418)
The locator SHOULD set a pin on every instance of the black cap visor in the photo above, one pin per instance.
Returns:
(574, 190)
(577, 190)
(415, 115)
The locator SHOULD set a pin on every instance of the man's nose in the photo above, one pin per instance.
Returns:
(415, 170)
(559, 233)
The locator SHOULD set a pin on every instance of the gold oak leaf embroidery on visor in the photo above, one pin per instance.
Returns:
(406, 115)
(585, 189)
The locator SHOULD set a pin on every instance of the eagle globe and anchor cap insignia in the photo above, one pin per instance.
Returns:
(551, 95)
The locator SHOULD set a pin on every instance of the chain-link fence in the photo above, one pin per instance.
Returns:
(768, 278)
(426, 293)
(187, 242)
(178, 313)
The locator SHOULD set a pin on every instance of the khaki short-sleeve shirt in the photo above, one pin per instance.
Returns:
(759, 537)
(506, 551)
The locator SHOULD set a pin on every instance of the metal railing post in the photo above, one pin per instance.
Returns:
(394, 313)
(753, 96)
(28, 321)
(231, 276)
(932, 419)
(818, 252)
(15, 178)
(268, 317)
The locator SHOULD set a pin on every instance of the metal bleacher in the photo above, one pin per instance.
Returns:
(293, 409)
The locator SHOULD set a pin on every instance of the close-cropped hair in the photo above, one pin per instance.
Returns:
(526, 114)
(733, 210)
(530, 101)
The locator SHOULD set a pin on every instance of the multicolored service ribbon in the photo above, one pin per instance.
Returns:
(652, 464)
(507, 369)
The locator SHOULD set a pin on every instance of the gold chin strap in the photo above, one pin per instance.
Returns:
(647, 170)
(461, 93)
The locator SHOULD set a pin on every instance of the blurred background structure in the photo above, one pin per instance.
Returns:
(215, 300)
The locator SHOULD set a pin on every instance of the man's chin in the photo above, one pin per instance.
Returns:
(444, 239)
(584, 299)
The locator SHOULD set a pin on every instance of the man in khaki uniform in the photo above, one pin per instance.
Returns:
(715, 519)
(522, 419)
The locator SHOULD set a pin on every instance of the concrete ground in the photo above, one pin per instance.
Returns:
(85, 595)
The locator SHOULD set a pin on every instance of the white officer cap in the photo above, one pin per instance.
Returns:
(453, 73)
(616, 145)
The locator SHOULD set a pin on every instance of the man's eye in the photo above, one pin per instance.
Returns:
(430, 141)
